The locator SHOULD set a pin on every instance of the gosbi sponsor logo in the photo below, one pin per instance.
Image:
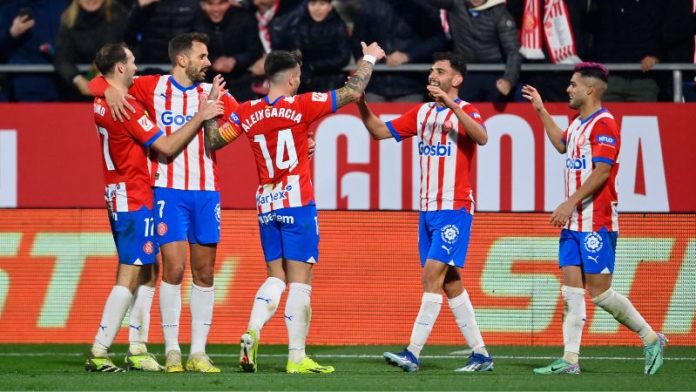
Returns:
(438, 150)
(169, 118)
(576, 163)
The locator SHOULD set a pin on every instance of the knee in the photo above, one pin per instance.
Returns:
(203, 275)
(431, 281)
(173, 273)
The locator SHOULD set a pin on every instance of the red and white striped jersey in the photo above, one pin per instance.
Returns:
(445, 152)
(278, 133)
(124, 157)
(172, 105)
(594, 139)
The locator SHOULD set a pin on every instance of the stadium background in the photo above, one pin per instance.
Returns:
(57, 259)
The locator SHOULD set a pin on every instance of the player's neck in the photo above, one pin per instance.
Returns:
(589, 109)
(277, 92)
(181, 78)
(117, 83)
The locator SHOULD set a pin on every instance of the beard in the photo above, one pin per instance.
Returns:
(195, 74)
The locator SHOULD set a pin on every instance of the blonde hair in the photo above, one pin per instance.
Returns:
(69, 16)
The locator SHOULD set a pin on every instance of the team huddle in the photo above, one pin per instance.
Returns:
(159, 135)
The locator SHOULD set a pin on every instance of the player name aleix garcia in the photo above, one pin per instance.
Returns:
(259, 115)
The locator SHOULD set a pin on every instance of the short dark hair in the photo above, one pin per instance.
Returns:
(109, 55)
(281, 60)
(184, 42)
(593, 70)
(456, 60)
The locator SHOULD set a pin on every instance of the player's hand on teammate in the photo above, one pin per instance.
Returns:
(373, 50)
(562, 214)
(532, 95)
(118, 103)
(210, 108)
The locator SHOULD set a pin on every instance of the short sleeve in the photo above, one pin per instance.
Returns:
(141, 127)
(405, 126)
(604, 140)
(472, 112)
(317, 105)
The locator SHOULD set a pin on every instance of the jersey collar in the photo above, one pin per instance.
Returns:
(591, 116)
(265, 99)
(180, 87)
(441, 108)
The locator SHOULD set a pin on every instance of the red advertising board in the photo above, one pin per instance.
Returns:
(49, 158)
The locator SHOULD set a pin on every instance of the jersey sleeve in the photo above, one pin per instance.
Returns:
(317, 105)
(405, 126)
(604, 140)
(472, 112)
(141, 127)
(139, 88)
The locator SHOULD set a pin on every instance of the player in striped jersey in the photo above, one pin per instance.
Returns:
(589, 218)
(129, 197)
(277, 128)
(448, 131)
(187, 199)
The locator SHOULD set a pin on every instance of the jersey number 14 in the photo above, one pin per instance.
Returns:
(285, 146)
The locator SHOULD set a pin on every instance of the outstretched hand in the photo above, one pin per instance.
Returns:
(532, 95)
(218, 88)
(373, 50)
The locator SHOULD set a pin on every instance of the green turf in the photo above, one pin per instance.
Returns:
(51, 367)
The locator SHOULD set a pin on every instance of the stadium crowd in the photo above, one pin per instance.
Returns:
(328, 34)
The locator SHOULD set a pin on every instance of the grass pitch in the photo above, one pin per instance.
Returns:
(60, 367)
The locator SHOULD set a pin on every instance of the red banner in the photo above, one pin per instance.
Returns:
(49, 158)
(57, 268)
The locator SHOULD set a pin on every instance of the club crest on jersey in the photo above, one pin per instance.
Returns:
(449, 234)
(146, 123)
(162, 229)
(319, 97)
(148, 248)
(593, 243)
(447, 126)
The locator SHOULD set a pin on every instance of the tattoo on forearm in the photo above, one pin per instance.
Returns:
(355, 86)
(213, 139)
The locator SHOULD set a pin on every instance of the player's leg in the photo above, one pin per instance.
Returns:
(431, 303)
(268, 295)
(300, 241)
(574, 313)
(599, 255)
(463, 311)
(172, 221)
(135, 247)
(204, 234)
(138, 358)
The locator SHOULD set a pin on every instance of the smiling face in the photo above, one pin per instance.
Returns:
(215, 9)
(444, 76)
(577, 91)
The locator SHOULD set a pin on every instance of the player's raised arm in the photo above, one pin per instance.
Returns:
(174, 143)
(217, 134)
(554, 132)
(355, 86)
(472, 128)
(377, 128)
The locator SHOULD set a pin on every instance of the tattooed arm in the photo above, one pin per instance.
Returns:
(217, 136)
(355, 86)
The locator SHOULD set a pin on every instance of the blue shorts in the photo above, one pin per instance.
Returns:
(595, 251)
(134, 236)
(291, 234)
(444, 236)
(187, 215)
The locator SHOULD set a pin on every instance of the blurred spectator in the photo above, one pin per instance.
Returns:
(483, 31)
(234, 43)
(679, 33)
(529, 15)
(410, 32)
(322, 37)
(273, 18)
(27, 32)
(152, 23)
(628, 31)
(86, 25)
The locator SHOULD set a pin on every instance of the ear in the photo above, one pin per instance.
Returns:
(120, 68)
(181, 60)
(457, 80)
